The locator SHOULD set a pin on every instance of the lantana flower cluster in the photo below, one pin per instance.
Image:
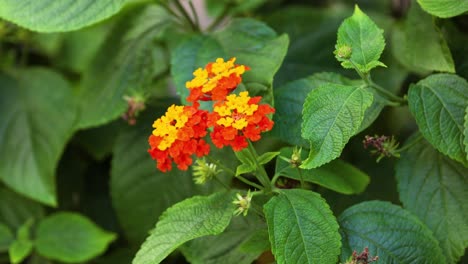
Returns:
(235, 119)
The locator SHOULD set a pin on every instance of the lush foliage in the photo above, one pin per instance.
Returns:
(137, 132)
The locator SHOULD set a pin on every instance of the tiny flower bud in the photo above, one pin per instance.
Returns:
(203, 171)
(136, 104)
(384, 146)
(296, 157)
(243, 203)
(343, 51)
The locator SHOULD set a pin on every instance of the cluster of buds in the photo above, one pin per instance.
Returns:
(203, 171)
(243, 203)
(383, 146)
(362, 258)
(235, 119)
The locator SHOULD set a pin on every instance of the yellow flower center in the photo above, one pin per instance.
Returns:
(235, 110)
(167, 126)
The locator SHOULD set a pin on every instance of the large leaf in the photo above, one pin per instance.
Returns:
(6, 237)
(125, 65)
(135, 180)
(53, 16)
(38, 112)
(365, 39)
(438, 103)
(226, 247)
(390, 232)
(444, 8)
(419, 45)
(338, 175)
(23, 209)
(433, 187)
(70, 238)
(302, 228)
(192, 218)
(252, 42)
(332, 114)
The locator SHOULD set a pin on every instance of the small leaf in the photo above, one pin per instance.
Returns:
(31, 101)
(465, 133)
(302, 228)
(418, 29)
(6, 237)
(338, 175)
(245, 157)
(441, 198)
(365, 39)
(244, 168)
(19, 250)
(444, 8)
(70, 237)
(332, 114)
(390, 232)
(192, 218)
(56, 16)
(438, 103)
(266, 157)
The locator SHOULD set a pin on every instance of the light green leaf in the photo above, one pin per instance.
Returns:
(135, 179)
(390, 232)
(31, 101)
(419, 29)
(444, 8)
(55, 16)
(332, 114)
(24, 209)
(125, 65)
(71, 237)
(364, 38)
(266, 157)
(244, 168)
(465, 132)
(6, 237)
(245, 157)
(438, 103)
(192, 218)
(19, 250)
(337, 175)
(226, 247)
(441, 200)
(302, 228)
(252, 42)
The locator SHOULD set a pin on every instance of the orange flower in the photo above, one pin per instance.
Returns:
(216, 81)
(177, 136)
(237, 119)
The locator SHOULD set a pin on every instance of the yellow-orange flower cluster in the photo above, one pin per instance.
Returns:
(235, 118)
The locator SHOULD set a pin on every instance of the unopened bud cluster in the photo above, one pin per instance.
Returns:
(383, 146)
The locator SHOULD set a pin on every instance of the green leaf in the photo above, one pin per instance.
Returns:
(192, 218)
(332, 114)
(302, 228)
(6, 237)
(465, 132)
(266, 157)
(338, 175)
(70, 237)
(245, 157)
(55, 16)
(135, 179)
(31, 101)
(19, 250)
(441, 200)
(364, 38)
(407, 38)
(252, 42)
(24, 209)
(226, 247)
(444, 8)
(438, 103)
(244, 168)
(125, 68)
(258, 242)
(390, 232)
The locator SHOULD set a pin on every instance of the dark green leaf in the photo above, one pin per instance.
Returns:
(24, 209)
(433, 187)
(364, 38)
(438, 103)
(54, 16)
(258, 242)
(6, 237)
(192, 218)
(125, 68)
(302, 228)
(465, 132)
(19, 250)
(418, 29)
(444, 8)
(252, 42)
(390, 232)
(226, 247)
(338, 175)
(30, 102)
(70, 238)
(332, 114)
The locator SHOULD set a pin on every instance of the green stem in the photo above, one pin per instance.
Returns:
(262, 176)
(186, 16)
(301, 177)
(220, 18)
(194, 13)
(226, 169)
(409, 145)
(222, 183)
